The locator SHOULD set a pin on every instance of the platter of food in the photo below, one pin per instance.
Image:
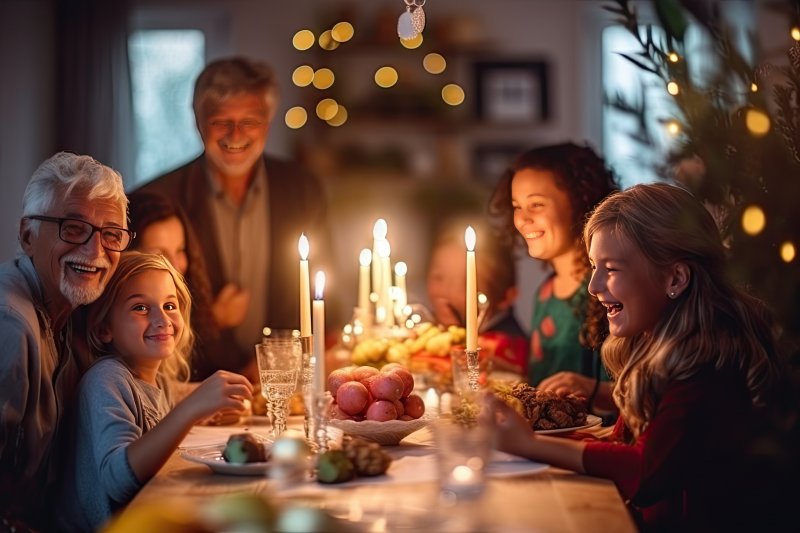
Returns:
(591, 421)
(243, 455)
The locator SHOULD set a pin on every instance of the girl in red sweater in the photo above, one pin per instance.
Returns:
(692, 356)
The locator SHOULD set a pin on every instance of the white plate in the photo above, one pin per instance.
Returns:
(211, 456)
(591, 421)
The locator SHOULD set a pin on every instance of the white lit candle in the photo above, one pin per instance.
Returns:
(385, 251)
(305, 292)
(472, 291)
(364, 260)
(379, 231)
(318, 378)
(400, 271)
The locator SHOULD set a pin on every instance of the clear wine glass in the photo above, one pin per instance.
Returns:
(279, 362)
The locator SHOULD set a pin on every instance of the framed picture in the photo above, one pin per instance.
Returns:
(489, 161)
(511, 91)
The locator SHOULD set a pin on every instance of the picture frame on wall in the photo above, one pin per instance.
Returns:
(489, 161)
(512, 91)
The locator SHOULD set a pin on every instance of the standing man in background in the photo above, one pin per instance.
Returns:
(248, 209)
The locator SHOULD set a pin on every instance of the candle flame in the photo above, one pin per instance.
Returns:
(380, 229)
(303, 247)
(365, 258)
(470, 238)
(400, 269)
(384, 248)
(319, 284)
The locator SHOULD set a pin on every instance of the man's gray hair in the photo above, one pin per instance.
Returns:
(66, 173)
(233, 76)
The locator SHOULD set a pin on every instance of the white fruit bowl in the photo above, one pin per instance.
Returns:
(388, 433)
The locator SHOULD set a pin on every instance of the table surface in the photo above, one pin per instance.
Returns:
(549, 499)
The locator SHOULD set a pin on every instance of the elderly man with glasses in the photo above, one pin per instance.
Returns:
(73, 228)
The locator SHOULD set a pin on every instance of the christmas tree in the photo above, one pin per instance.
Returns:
(737, 146)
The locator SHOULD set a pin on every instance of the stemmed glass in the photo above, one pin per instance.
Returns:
(279, 362)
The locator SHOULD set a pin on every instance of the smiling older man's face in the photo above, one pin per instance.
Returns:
(73, 274)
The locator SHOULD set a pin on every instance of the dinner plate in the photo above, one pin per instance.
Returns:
(591, 421)
(211, 456)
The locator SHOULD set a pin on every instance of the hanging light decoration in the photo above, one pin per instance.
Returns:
(412, 21)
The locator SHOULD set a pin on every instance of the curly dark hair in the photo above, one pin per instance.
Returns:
(147, 208)
(586, 179)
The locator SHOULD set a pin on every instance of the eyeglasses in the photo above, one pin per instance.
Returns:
(75, 231)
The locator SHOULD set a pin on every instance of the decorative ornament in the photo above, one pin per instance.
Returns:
(412, 21)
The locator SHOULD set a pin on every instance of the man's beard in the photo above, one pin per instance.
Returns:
(81, 295)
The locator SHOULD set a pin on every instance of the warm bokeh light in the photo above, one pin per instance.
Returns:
(296, 117)
(434, 63)
(795, 33)
(757, 122)
(303, 75)
(673, 57)
(753, 220)
(323, 78)
(673, 127)
(327, 108)
(452, 94)
(788, 252)
(386, 77)
(754, 87)
(339, 118)
(672, 88)
(327, 42)
(414, 42)
(342, 32)
(303, 40)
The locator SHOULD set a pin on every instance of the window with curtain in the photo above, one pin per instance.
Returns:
(164, 64)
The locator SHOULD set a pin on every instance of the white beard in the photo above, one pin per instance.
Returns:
(79, 295)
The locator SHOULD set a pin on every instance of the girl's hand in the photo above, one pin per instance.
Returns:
(563, 383)
(222, 391)
(513, 433)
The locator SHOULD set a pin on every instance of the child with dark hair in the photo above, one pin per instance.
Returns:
(542, 201)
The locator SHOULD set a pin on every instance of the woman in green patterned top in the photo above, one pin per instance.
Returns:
(542, 200)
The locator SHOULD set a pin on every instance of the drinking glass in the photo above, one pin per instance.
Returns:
(279, 364)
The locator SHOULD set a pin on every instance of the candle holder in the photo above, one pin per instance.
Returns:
(306, 374)
(322, 406)
(473, 369)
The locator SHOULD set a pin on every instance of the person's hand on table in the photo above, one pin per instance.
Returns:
(230, 306)
(563, 383)
(512, 432)
(222, 392)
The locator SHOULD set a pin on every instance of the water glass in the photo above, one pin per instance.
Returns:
(279, 362)
(468, 380)
(462, 454)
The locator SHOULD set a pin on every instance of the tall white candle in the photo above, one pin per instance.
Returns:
(318, 378)
(400, 271)
(305, 292)
(472, 291)
(364, 260)
(385, 251)
(379, 231)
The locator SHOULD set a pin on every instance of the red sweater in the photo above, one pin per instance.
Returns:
(682, 470)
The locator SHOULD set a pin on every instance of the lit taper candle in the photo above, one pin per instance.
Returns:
(305, 292)
(364, 261)
(472, 291)
(318, 379)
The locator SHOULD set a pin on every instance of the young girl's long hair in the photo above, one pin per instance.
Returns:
(712, 322)
(131, 264)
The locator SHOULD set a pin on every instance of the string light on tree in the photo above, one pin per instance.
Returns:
(673, 127)
(795, 33)
(753, 220)
(754, 87)
(673, 57)
(788, 252)
(673, 88)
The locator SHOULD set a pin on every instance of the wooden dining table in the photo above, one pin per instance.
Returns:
(532, 498)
